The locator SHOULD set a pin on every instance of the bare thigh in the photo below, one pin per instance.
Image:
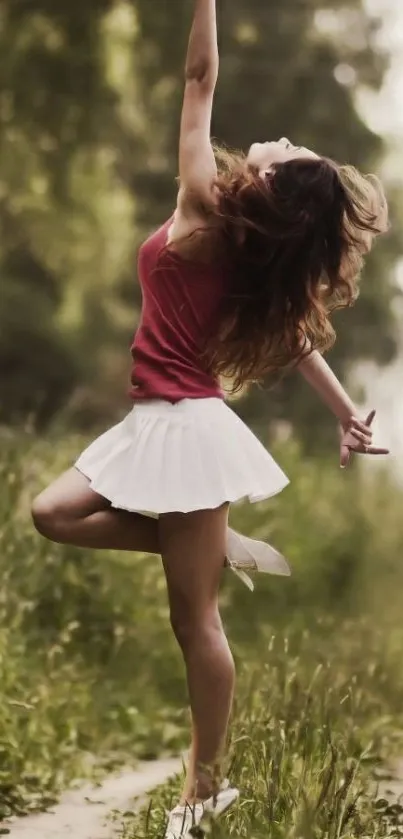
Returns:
(193, 549)
(69, 495)
(70, 512)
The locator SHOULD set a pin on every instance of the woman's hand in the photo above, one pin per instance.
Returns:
(356, 436)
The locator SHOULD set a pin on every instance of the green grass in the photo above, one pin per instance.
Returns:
(90, 674)
(309, 726)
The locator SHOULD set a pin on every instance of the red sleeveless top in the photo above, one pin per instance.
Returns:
(180, 302)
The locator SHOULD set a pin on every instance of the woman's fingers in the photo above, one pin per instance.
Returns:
(375, 450)
(360, 436)
(345, 452)
(363, 427)
(370, 418)
(363, 449)
(357, 438)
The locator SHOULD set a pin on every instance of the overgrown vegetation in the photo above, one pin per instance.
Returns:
(90, 670)
(309, 726)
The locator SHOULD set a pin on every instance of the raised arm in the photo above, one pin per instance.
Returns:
(356, 433)
(197, 167)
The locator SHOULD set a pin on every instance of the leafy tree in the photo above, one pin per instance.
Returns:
(54, 107)
(90, 98)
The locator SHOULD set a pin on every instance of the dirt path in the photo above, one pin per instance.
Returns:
(85, 813)
(392, 788)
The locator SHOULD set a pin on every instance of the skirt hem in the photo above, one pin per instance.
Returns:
(194, 455)
(252, 497)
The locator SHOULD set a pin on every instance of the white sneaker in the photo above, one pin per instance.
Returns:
(186, 816)
(244, 554)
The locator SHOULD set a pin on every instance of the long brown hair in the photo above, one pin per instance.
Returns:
(295, 242)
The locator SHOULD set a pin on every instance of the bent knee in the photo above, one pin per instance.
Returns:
(189, 625)
(45, 517)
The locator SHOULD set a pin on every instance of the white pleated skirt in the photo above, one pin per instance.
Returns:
(195, 454)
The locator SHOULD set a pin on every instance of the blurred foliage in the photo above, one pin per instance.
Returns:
(90, 97)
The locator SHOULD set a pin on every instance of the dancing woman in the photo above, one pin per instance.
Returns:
(238, 283)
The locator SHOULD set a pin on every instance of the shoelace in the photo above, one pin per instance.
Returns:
(249, 563)
(183, 820)
(245, 578)
(240, 573)
(179, 818)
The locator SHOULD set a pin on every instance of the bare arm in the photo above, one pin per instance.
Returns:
(319, 375)
(356, 434)
(197, 167)
(202, 56)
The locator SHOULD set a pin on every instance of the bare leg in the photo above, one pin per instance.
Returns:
(69, 512)
(193, 551)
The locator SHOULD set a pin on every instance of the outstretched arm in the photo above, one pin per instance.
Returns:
(197, 167)
(319, 375)
(356, 434)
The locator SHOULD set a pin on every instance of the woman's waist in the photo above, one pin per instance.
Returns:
(172, 381)
(171, 360)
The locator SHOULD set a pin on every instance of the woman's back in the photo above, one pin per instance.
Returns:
(181, 299)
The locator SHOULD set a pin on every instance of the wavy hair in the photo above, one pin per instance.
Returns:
(295, 241)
